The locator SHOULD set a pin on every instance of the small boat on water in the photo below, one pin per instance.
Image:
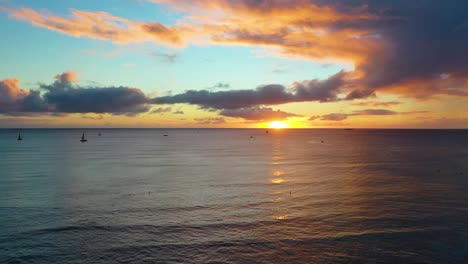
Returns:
(83, 138)
(19, 136)
(99, 134)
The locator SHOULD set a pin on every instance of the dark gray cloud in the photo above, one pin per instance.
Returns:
(272, 94)
(257, 114)
(210, 120)
(366, 112)
(420, 44)
(62, 96)
(161, 110)
(220, 85)
(34, 103)
(65, 97)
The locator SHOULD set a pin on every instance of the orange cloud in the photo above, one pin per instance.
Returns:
(10, 90)
(67, 77)
(101, 25)
(427, 88)
(14, 100)
(297, 28)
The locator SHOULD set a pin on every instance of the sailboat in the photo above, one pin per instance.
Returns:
(83, 139)
(19, 136)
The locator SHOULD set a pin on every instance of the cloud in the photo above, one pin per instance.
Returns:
(11, 95)
(377, 104)
(67, 77)
(415, 112)
(315, 117)
(366, 112)
(210, 120)
(65, 97)
(164, 33)
(220, 86)
(101, 25)
(257, 114)
(335, 117)
(161, 110)
(62, 96)
(273, 94)
(375, 112)
(166, 57)
(14, 100)
(99, 117)
(178, 112)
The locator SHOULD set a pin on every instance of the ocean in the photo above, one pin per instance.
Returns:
(234, 196)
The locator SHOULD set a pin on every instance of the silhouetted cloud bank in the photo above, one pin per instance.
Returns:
(366, 112)
(62, 96)
(273, 94)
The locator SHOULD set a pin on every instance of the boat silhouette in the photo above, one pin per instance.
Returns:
(19, 136)
(83, 138)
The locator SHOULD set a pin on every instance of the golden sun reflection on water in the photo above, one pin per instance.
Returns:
(281, 217)
(277, 200)
(277, 181)
(280, 183)
(278, 173)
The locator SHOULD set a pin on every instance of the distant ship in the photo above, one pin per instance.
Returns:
(99, 134)
(83, 139)
(19, 136)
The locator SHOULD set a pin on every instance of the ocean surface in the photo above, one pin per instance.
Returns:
(220, 196)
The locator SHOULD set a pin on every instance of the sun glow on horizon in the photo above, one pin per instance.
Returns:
(277, 125)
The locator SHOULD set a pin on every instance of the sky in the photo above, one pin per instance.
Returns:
(234, 64)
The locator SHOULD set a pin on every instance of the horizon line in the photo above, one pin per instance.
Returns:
(246, 128)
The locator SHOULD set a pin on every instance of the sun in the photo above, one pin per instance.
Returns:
(277, 125)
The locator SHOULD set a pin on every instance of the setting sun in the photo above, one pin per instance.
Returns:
(277, 125)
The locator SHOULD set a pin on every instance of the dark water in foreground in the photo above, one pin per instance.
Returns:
(201, 196)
